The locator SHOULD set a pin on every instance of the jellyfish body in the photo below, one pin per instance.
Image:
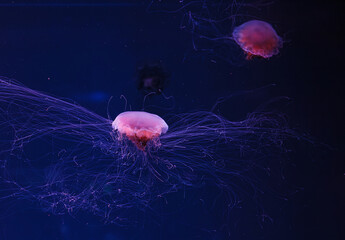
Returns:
(257, 38)
(140, 127)
(152, 78)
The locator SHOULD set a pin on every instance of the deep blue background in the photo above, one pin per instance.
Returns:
(91, 53)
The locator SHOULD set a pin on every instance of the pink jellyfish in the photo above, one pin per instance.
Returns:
(257, 38)
(140, 127)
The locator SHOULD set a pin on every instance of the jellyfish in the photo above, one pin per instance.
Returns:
(69, 160)
(257, 38)
(140, 127)
(152, 78)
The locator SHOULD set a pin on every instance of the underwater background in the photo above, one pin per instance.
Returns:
(90, 51)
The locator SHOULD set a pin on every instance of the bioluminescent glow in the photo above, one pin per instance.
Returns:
(257, 38)
(140, 127)
(68, 159)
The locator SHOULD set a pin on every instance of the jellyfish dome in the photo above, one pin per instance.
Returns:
(140, 127)
(257, 38)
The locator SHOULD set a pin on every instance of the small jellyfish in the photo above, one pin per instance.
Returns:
(152, 78)
(257, 38)
(140, 127)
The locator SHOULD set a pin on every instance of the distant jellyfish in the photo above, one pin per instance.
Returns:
(257, 38)
(152, 78)
(140, 127)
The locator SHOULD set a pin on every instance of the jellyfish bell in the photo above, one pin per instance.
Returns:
(257, 38)
(140, 127)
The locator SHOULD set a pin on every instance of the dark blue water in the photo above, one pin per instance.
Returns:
(88, 51)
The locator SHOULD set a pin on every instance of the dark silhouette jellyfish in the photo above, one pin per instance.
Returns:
(257, 38)
(140, 127)
(152, 78)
